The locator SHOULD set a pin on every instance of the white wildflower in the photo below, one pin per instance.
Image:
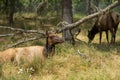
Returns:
(20, 71)
(32, 69)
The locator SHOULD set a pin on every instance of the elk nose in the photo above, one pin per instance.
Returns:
(62, 40)
(59, 40)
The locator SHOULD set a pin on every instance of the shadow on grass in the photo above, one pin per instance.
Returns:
(103, 47)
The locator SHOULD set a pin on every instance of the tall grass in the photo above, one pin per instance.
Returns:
(94, 62)
(102, 62)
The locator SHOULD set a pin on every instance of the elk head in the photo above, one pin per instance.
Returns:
(51, 40)
(90, 36)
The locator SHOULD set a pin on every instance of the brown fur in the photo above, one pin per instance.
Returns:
(29, 53)
(25, 53)
(105, 22)
(8, 55)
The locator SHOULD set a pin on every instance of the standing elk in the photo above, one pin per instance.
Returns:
(29, 53)
(105, 22)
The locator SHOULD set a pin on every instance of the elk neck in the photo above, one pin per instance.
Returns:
(49, 48)
(94, 30)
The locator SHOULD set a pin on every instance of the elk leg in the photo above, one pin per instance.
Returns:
(100, 36)
(53, 52)
(107, 36)
(112, 37)
(115, 30)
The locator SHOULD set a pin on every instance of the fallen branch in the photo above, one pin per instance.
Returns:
(73, 25)
(12, 34)
(39, 18)
(5, 35)
(23, 30)
(22, 41)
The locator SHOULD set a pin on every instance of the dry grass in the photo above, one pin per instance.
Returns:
(68, 65)
(101, 62)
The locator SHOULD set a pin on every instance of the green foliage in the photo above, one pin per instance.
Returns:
(95, 61)
(35, 66)
(71, 66)
(79, 6)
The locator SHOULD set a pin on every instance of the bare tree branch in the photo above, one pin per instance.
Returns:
(22, 30)
(73, 25)
(22, 41)
(12, 34)
(5, 35)
(95, 7)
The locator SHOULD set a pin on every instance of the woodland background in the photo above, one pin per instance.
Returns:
(25, 21)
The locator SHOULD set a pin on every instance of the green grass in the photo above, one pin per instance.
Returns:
(100, 61)
(66, 64)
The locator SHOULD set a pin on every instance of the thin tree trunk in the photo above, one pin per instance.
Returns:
(89, 7)
(68, 17)
(56, 8)
(119, 1)
(11, 14)
(5, 2)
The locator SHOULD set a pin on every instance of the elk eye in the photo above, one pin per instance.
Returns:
(117, 16)
(51, 37)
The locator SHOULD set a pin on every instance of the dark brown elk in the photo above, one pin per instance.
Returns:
(105, 22)
(31, 52)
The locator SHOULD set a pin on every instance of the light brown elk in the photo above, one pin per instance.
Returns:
(29, 53)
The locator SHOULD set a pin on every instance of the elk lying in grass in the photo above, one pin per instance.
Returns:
(105, 22)
(28, 53)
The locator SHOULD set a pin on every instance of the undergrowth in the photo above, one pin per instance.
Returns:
(82, 61)
(69, 64)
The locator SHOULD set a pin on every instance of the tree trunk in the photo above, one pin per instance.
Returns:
(89, 7)
(11, 14)
(5, 2)
(92, 8)
(109, 2)
(30, 6)
(119, 1)
(41, 7)
(56, 8)
(68, 17)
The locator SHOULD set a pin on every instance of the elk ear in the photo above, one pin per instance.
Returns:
(55, 31)
(118, 16)
(47, 33)
(88, 31)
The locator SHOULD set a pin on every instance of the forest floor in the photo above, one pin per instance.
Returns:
(82, 61)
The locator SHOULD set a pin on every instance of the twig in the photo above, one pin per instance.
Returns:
(82, 54)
